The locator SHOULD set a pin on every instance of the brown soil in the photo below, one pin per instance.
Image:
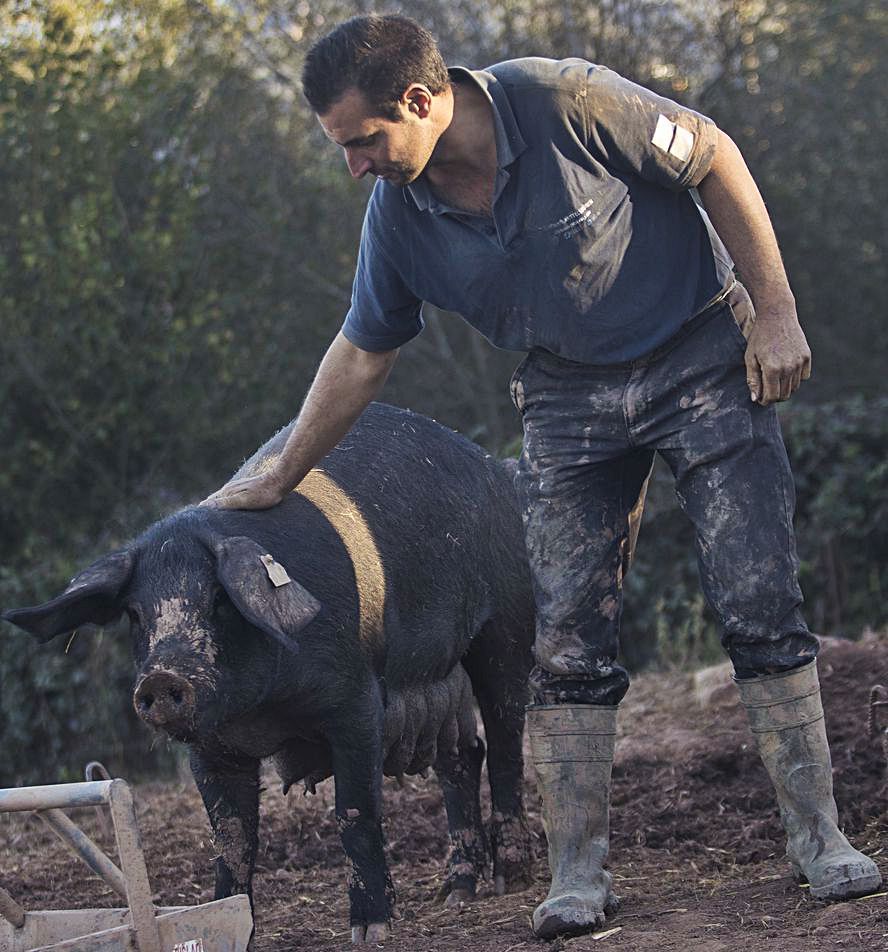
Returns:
(696, 843)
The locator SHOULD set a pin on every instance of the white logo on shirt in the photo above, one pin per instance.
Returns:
(569, 225)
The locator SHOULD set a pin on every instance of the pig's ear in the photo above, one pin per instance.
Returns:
(92, 597)
(262, 591)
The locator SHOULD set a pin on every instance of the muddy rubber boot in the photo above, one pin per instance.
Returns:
(572, 748)
(786, 717)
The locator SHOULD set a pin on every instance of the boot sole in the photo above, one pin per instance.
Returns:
(555, 925)
(848, 889)
(573, 921)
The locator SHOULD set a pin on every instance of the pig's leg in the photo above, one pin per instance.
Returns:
(498, 668)
(229, 787)
(459, 773)
(357, 769)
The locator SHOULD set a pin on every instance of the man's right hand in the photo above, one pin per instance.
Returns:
(251, 492)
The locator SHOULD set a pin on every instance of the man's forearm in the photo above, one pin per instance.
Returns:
(777, 358)
(737, 210)
(348, 378)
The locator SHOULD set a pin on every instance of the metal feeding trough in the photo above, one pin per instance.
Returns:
(221, 926)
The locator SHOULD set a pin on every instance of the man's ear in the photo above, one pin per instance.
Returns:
(262, 591)
(92, 597)
(418, 100)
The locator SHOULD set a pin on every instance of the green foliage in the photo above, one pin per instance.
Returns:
(177, 242)
(162, 242)
(840, 463)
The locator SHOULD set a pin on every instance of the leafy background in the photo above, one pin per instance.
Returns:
(177, 242)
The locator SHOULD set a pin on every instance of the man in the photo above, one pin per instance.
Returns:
(548, 202)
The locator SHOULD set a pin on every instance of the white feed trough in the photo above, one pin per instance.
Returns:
(221, 926)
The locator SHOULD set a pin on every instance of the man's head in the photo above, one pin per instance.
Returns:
(381, 91)
(380, 56)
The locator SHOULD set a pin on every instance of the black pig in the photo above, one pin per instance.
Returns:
(343, 632)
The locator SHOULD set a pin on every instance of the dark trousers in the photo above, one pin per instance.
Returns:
(590, 434)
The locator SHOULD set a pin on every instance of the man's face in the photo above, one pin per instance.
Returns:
(394, 150)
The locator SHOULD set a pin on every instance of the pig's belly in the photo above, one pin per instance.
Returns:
(422, 722)
(263, 734)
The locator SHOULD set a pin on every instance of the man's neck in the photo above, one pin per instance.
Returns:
(468, 145)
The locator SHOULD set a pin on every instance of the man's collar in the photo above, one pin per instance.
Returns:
(509, 141)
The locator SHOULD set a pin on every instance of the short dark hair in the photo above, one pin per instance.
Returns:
(378, 55)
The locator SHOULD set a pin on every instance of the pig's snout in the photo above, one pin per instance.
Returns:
(165, 699)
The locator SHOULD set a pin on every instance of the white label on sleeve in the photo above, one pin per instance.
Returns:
(663, 133)
(682, 144)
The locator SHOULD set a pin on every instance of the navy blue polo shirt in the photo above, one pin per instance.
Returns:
(595, 250)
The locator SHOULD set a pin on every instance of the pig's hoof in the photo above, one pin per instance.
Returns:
(371, 934)
(456, 890)
(572, 913)
(458, 897)
(512, 854)
(462, 880)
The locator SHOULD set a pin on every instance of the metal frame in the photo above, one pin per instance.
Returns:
(221, 926)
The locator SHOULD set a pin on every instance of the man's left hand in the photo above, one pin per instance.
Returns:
(778, 358)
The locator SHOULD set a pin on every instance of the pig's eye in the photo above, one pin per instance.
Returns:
(225, 615)
(137, 628)
(221, 603)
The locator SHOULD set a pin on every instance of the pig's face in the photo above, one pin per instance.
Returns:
(195, 654)
(207, 623)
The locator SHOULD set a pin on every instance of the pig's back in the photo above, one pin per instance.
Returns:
(437, 518)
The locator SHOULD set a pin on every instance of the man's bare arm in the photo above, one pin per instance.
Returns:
(777, 356)
(347, 380)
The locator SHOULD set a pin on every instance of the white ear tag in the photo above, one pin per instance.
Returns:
(276, 572)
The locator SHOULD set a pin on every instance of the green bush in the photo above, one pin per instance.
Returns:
(840, 459)
(177, 242)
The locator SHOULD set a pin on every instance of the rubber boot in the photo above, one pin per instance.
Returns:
(786, 717)
(572, 748)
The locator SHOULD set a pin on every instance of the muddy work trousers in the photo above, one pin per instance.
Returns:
(590, 434)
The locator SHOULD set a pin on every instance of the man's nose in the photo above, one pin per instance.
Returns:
(358, 164)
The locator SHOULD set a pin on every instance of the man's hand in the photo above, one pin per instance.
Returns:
(252, 492)
(778, 358)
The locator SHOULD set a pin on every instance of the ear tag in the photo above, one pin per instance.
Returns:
(276, 572)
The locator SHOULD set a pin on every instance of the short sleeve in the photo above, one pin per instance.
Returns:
(636, 130)
(384, 313)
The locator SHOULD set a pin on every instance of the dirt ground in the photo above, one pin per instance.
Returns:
(696, 847)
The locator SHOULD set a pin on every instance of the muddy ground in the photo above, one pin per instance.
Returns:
(696, 843)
